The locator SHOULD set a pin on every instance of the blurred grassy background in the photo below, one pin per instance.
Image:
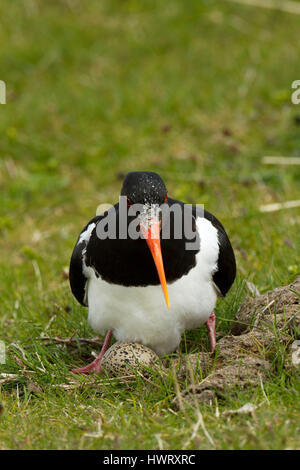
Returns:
(197, 91)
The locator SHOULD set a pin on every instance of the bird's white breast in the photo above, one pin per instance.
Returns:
(140, 313)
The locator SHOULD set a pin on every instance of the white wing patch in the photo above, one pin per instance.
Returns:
(86, 235)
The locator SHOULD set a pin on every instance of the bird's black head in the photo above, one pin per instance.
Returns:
(144, 187)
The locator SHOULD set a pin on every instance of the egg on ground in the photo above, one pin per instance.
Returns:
(123, 357)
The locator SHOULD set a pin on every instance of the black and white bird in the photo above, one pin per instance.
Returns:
(120, 278)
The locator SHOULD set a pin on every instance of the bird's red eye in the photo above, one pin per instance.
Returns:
(166, 197)
(129, 201)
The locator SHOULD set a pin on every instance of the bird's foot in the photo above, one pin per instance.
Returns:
(95, 366)
(211, 326)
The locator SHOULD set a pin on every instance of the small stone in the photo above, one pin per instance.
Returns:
(248, 408)
(296, 353)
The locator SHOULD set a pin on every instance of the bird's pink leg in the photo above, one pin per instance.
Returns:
(211, 326)
(95, 366)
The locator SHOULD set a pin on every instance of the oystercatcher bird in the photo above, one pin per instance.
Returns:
(119, 276)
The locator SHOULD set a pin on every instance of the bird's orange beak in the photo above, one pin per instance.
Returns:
(152, 237)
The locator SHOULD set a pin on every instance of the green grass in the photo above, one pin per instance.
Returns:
(95, 89)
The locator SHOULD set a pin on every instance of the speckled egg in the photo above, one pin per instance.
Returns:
(122, 357)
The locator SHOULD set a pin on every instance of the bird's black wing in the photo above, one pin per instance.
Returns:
(76, 275)
(226, 272)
